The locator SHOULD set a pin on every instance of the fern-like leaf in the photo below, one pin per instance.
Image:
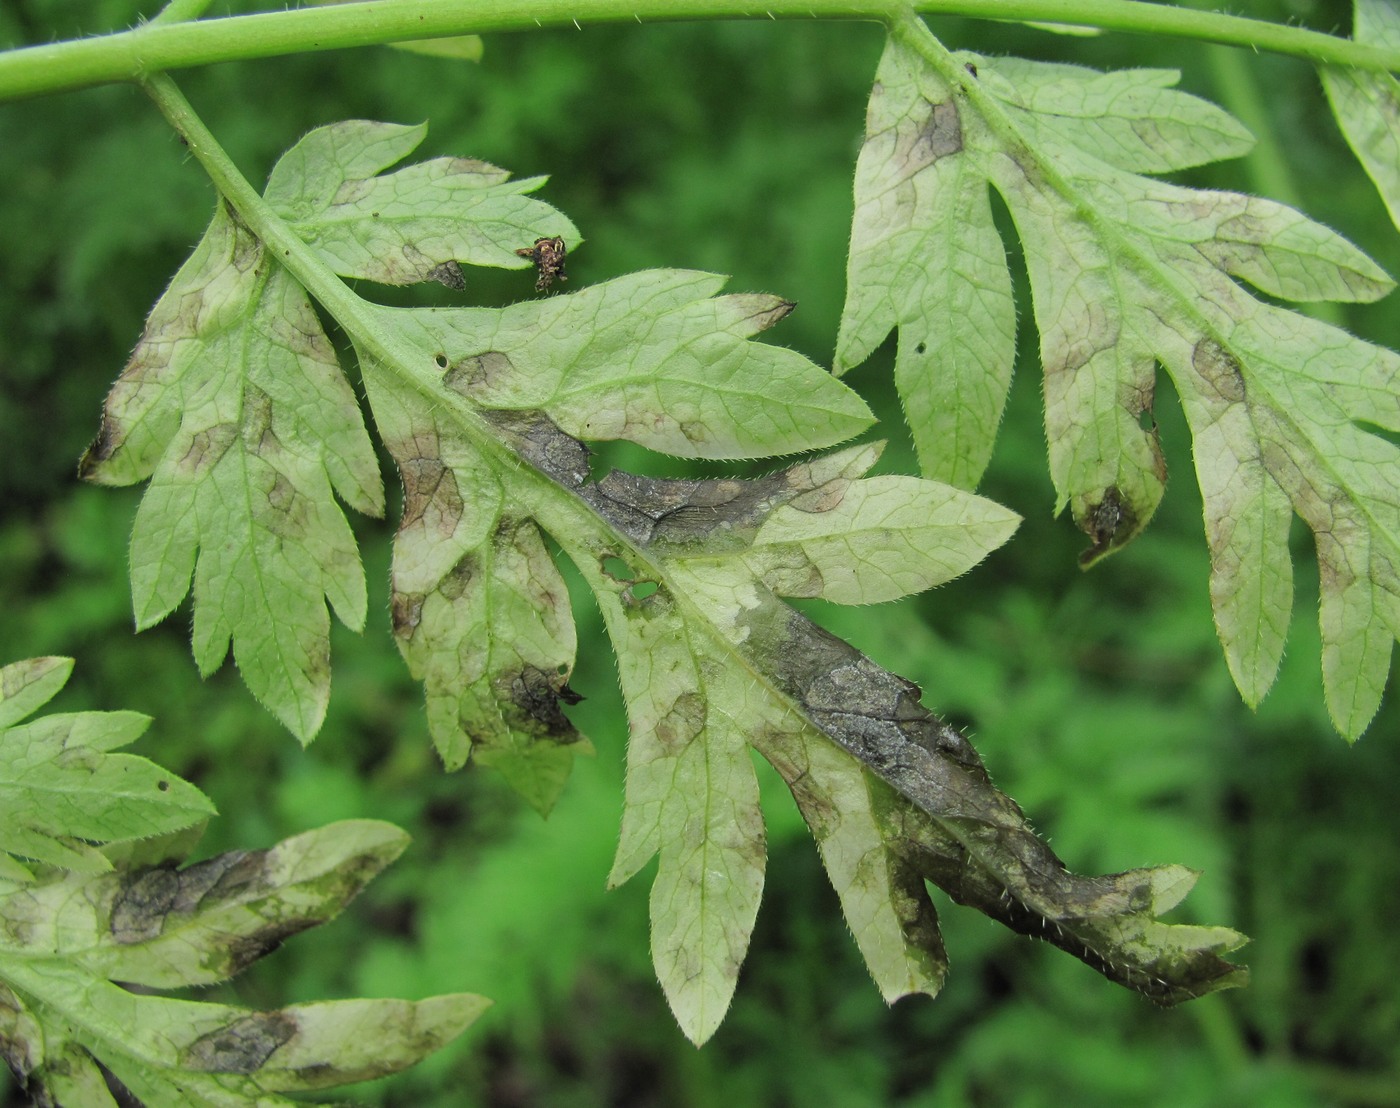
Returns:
(1128, 272)
(485, 412)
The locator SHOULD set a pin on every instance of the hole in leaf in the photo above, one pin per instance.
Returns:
(1145, 420)
(923, 346)
(440, 360)
(163, 786)
(617, 569)
(643, 589)
(1377, 430)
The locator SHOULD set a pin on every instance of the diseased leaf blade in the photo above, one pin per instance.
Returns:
(414, 224)
(62, 791)
(654, 357)
(933, 815)
(1367, 105)
(65, 940)
(692, 797)
(1128, 273)
(235, 407)
(479, 610)
(882, 895)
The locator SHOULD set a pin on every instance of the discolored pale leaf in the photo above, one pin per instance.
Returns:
(235, 407)
(888, 537)
(886, 906)
(27, 686)
(484, 411)
(655, 357)
(62, 791)
(414, 224)
(164, 928)
(925, 259)
(709, 637)
(692, 797)
(1128, 273)
(65, 940)
(1367, 105)
(192, 1053)
(479, 609)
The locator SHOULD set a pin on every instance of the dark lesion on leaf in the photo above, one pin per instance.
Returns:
(957, 828)
(538, 694)
(679, 511)
(100, 450)
(939, 136)
(150, 897)
(539, 441)
(1219, 369)
(405, 613)
(243, 1046)
(449, 274)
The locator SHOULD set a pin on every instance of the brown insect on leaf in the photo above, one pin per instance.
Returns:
(548, 256)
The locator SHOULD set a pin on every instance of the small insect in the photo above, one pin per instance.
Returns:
(548, 256)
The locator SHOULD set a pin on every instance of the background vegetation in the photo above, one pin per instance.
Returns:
(1099, 701)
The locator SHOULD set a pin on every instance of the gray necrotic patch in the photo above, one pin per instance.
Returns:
(243, 1046)
(147, 901)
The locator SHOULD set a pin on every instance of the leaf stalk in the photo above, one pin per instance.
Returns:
(170, 41)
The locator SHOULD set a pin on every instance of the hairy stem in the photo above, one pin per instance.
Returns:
(171, 43)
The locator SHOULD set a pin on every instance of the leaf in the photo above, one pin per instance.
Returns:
(414, 224)
(654, 357)
(64, 942)
(128, 915)
(480, 611)
(1367, 105)
(484, 411)
(1127, 273)
(711, 651)
(62, 791)
(235, 406)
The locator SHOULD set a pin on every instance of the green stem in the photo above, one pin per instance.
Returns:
(170, 43)
(181, 11)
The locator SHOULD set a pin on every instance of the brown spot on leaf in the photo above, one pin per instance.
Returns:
(243, 1046)
(242, 951)
(257, 430)
(430, 490)
(940, 135)
(457, 581)
(683, 721)
(405, 613)
(1219, 370)
(479, 373)
(207, 447)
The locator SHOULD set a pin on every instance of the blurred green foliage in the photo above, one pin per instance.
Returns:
(1099, 700)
